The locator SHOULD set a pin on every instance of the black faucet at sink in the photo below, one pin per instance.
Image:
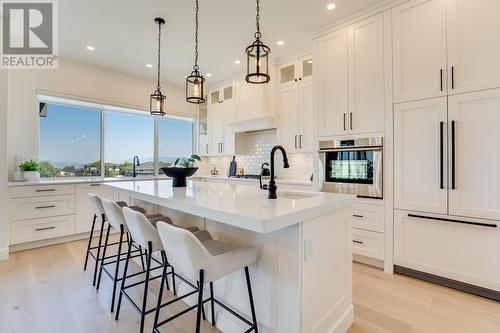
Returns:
(136, 158)
(271, 188)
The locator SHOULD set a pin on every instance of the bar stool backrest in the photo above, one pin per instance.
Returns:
(96, 204)
(141, 229)
(114, 214)
(184, 251)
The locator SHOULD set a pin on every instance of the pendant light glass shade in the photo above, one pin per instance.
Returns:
(257, 57)
(195, 81)
(157, 99)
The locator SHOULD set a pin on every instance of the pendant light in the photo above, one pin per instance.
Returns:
(157, 99)
(257, 57)
(194, 82)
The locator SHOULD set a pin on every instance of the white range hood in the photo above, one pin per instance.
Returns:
(255, 109)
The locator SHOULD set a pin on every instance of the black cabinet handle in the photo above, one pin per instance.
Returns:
(452, 220)
(95, 185)
(350, 120)
(441, 155)
(356, 215)
(46, 190)
(43, 207)
(453, 153)
(300, 141)
(46, 228)
(441, 78)
(345, 114)
(452, 77)
(295, 141)
(357, 242)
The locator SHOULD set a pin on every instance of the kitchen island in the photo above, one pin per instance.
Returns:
(303, 278)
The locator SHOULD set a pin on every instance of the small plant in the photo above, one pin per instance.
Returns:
(187, 162)
(30, 165)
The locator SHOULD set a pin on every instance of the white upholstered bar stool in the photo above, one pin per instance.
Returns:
(143, 232)
(206, 260)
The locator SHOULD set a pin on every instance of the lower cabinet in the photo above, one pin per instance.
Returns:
(368, 243)
(42, 228)
(459, 251)
(368, 238)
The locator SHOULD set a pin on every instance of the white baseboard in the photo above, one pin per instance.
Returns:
(345, 322)
(4, 253)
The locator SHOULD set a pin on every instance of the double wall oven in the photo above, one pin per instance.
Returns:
(352, 166)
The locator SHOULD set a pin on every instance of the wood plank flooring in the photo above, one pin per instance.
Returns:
(45, 290)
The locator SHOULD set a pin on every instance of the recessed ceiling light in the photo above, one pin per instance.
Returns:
(280, 42)
(149, 65)
(208, 75)
(90, 48)
(237, 62)
(331, 6)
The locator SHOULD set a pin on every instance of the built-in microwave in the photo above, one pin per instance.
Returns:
(352, 166)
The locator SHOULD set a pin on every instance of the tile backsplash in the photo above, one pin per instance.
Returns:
(253, 149)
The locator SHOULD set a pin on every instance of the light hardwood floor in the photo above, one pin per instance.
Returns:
(45, 290)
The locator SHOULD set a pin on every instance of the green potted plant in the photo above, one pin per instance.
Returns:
(31, 170)
(182, 168)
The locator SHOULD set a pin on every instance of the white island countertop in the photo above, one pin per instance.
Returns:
(237, 205)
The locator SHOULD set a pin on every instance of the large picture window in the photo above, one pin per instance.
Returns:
(78, 141)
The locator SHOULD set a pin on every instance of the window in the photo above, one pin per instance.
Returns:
(127, 135)
(69, 141)
(175, 140)
(71, 145)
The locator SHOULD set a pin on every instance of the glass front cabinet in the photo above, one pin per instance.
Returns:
(202, 133)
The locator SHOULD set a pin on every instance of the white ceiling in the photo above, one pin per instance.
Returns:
(124, 34)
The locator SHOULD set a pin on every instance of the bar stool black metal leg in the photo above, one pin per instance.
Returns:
(173, 281)
(103, 256)
(212, 303)
(117, 268)
(252, 306)
(89, 243)
(165, 263)
(160, 294)
(98, 249)
(142, 258)
(146, 285)
(123, 279)
(200, 302)
(202, 307)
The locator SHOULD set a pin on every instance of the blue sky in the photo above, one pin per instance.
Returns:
(72, 134)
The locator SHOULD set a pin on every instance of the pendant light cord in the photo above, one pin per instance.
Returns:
(257, 19)
(159, 48)
(195, 67)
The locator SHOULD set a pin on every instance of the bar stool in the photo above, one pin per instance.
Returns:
(143, 232)
(204, 259)
(116, 220)
(97, 208)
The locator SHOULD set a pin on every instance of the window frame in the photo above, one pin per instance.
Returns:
(102, 109)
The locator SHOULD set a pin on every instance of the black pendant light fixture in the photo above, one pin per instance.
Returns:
(195, 81)
(157, 99)
(258, 57)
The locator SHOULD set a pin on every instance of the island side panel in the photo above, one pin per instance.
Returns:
(327, 273)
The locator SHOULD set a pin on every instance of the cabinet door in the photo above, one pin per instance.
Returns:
(84, 212)
(216, 129)
(473, 48)
(306, 68)
(305, 122)
(366, 75)
(287, 117)
(287, 74)
(333, 83)
(420, 156)
(461, 252)
(227, 133)
(419, 49)
(474, 154)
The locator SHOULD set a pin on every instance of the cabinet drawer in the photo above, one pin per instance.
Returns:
(37, 207)
(41, 190)
(368, 217)
(44, 228)
(368, 243)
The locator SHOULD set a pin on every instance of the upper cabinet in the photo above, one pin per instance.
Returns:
(419, 50)
(453, 52)
(351, 85)
(220, 112)
(295, 105)
(202, 129)
(222, 94)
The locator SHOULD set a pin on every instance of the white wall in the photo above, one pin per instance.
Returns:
(4, 193)
(80, 81)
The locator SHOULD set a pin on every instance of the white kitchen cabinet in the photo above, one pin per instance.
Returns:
(368, 217)
(419, 50)
(202, 146)
(368, 243)
(333, 83)
(366, 75)
(473, 48)
(295, 107)
(220, 112)
(462, 252)
(42, 228)
(46, 206)
(84, 212)
(223, 94)
(473, 176)
(420, 163)
(228, 139)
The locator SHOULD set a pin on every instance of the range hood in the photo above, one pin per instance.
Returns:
(254, 109)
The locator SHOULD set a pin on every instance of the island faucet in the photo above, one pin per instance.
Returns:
(136, 158)
(272, 184)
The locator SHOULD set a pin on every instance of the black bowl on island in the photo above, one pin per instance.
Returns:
(178, 175)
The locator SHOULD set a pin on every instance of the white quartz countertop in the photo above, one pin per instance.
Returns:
(237, 205)
(278, 180)
(82, 180)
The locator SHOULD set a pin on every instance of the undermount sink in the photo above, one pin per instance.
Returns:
(297, 195)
